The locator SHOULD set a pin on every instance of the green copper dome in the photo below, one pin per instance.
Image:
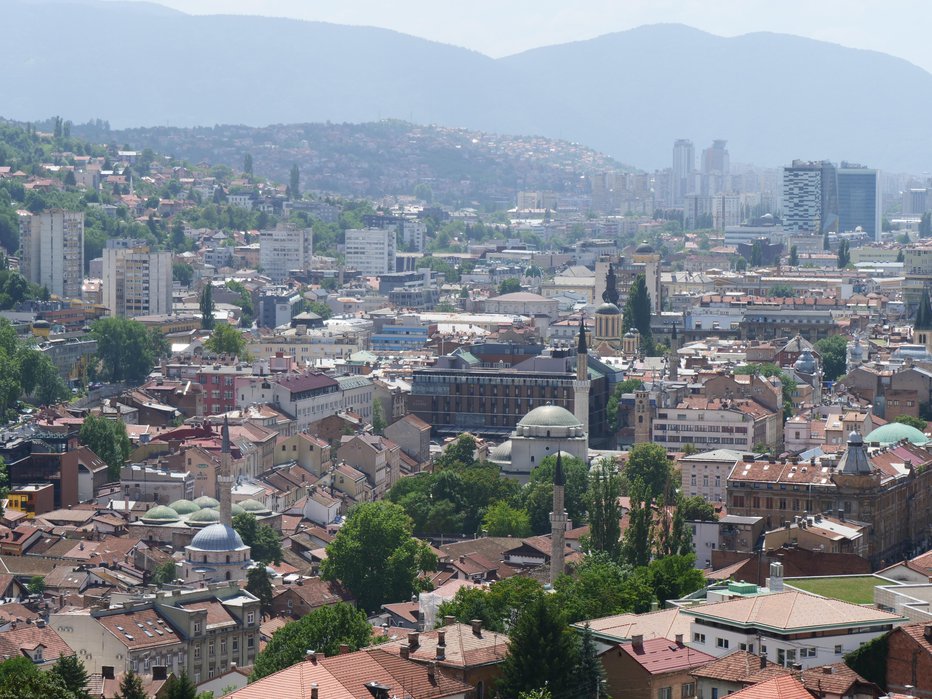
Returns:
(236, 510)
(894, 432)
(160, 514)
(204, 517)
(206, 501)
(184, 507)
(549, 416)
(255, 507)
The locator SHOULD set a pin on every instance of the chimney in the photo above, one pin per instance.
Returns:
(107, 672)
(412, 640)
(763, 660)
(637, 640)
(432, 671)
(313, 690)
(449, 620)
(159, 672)
(311, 655)
(927, 632)
(462, 559)
(476, 627)
(344, 649)
(679, 639)
(405, 652)
(776, 577)
(826, 669)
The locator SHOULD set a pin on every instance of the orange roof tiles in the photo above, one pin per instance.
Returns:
(661, 655)
(130, 628)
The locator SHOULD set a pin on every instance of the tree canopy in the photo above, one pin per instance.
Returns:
(323, 630)
(834, 353)
(225, 339)
(376, 556)
(264, 542)
(125, 349)
(636, 313)
(109, 440)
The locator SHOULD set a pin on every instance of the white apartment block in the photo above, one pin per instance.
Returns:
(704, 429)
(53, 251)
(371, 250)
(414, 234)
(283, 249)
(136, 280)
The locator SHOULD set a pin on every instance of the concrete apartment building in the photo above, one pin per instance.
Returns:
(137, 281)
(371, 250)
(52, 245)
(200, 632)
(283, 249)
(710, 423)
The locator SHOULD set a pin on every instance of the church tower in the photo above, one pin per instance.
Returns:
(581, 384)
(642, 417)
(922, 326)
(558, 524)
(608, 315)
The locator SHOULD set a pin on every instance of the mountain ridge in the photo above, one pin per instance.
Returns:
(630, 94)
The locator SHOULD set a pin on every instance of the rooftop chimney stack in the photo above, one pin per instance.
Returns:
(412, 640)
(313, 690)
(476, 627)
(637, 640)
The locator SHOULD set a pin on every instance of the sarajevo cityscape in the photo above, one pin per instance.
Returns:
(342, 363)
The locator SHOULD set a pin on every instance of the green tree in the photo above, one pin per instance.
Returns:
(323, 630)
(598, 587)
(320, 308)
(637, 541)
(109, 440)
(590, 673)
(674, 577)
(697, 509)
(844, 254)
(247, 164)
(375, 555)
(542, 651)
(39, 377)
(20, 678)
(182, 273)
(501, 519)
(794, 257)
(650, 464)
(166, 572)
(36, 585)
(870, 660)
(900, 257)
(294, 179)
(781, 291)
(509, 286)
(611, 409)
(71, 672)
(757, 254)
(497, 607)
(916, 422)
(378, 417)
(741, 264)
(180, 687)
(604, 512)
(225, 339)
(207, 307)
(264, 542)
(636, 313)
(131, 687)
(834, 353)
(259, 584)
(925, 225)
(124, 349)
(538, 493)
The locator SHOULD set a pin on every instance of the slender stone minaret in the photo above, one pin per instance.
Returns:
(581, 384)
(558, 524)
(674, 357)
(225, 477)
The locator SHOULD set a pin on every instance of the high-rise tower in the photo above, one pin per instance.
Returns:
(558, 524)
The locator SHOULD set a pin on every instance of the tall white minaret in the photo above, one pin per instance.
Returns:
(581, 384)
(558, 524)
(225, 477)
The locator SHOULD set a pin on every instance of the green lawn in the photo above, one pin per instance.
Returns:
(858, 589)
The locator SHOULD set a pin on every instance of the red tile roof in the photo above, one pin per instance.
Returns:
(783, 687)
(661, 655)
(130, 629)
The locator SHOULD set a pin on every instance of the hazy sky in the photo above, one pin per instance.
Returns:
(501, 27)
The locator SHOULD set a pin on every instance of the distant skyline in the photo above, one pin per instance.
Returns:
(503, 27)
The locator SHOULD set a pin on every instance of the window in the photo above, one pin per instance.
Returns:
(665, 693)
(197, 651)
(688, 690)
(749, 647)
(235, 645)
(250, 617)
(721, 642)
(838, 650)
(197, 624)
(807, 652)
(698, 638)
